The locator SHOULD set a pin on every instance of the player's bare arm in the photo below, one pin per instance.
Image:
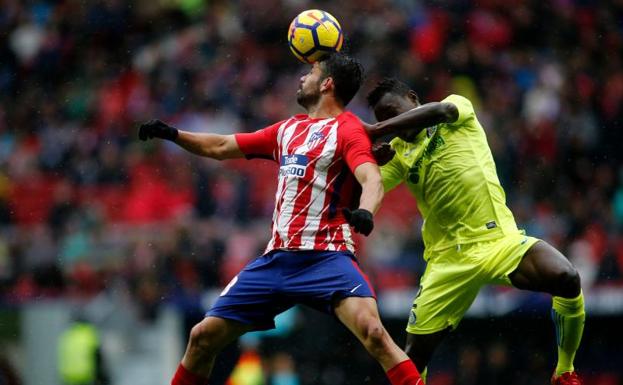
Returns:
(369, 177)
(416, 119)
(210, 145)
(203, 144)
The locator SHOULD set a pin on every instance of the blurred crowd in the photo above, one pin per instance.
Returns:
(84, 206)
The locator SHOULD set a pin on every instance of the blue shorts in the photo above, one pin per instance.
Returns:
(274, 282)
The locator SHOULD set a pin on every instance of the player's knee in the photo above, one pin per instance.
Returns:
(376, 333)
(202, 339)
(569, 282)
(373, 333)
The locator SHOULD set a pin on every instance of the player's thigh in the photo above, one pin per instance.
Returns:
(326, 277)
(251, 296)
(335, 284)
(544, 268)
(504, 255)
(447, 289)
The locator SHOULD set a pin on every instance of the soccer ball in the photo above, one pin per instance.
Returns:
(313, 34)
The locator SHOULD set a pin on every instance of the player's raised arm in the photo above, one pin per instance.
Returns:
(418, 118)
(204, 144)
(397, 108)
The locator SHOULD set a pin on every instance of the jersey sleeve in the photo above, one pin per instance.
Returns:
(259, 144)
(465, 107)
(356, 145)
(393, 173)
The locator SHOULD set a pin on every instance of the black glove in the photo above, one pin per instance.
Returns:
(360, 219)
(156, 129)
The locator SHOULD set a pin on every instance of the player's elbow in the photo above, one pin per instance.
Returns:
(217, 150)
(217, 154)
(448, 112)
(374, 182)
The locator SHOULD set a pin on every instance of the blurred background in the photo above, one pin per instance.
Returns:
(111, 248)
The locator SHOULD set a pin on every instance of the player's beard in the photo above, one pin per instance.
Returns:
(308, 99)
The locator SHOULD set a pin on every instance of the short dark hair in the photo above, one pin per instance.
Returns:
(347, 74)
(389, 86)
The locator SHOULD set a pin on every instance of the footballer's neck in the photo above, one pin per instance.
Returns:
(327, 107)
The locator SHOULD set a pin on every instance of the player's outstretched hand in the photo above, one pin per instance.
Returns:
(360, 219)
(383, 153)
(156, 129)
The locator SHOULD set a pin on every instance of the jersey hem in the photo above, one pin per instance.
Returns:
(337, 250)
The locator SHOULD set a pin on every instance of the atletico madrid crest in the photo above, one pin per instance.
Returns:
(315, 139)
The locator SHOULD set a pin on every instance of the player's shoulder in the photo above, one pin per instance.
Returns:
(349, 123)
(348, 117)
(464, 107)
(460, 101)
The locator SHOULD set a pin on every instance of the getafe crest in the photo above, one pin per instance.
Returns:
(430, 131)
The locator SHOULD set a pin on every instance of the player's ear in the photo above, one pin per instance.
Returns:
(413, 97)
(326, 84)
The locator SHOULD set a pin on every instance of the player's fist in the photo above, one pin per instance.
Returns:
(360, 219)
(383, 153)
(156, 129)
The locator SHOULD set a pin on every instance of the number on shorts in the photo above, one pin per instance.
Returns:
(229, 285)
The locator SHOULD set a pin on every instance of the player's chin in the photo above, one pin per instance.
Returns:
(300, 98)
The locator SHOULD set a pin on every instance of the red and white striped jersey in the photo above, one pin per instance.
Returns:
(317, 159)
